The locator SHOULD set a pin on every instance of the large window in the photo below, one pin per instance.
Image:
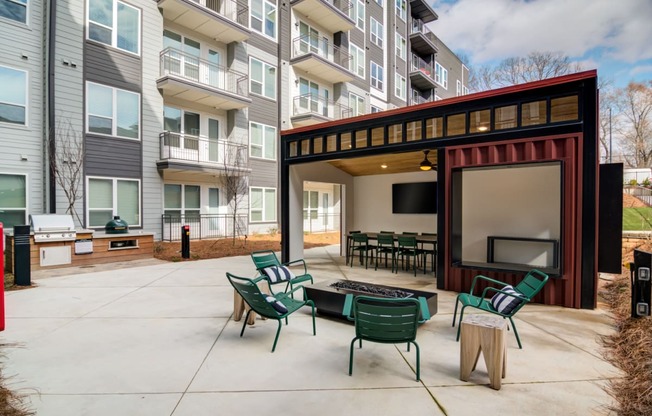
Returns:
(182, 200)
(441, 75)
(357, 60)
(108, 197)
(262, 78)
(112, 111)
(114, 23)
(13, 200)
(263, 17)
(14, 10)
(401, 47)
(400, 86)
(376, 34)
(357, 105)
(262, 141)
(401, 9)
(310, 205)
(377, 76)
(13, 96)
(356, 13)
(262, 204)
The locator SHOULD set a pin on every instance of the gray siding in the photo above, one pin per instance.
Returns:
(112, 67)
(285, 31)
(262, 43)
(112, 157)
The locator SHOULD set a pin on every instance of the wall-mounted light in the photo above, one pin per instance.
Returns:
(384, 166)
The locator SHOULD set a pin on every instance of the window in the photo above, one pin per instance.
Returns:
(262, 140)
(182, 200)
(376, 34)
(458, 89)
(357, 60)
(114, 23)
(401, 9)
(465, 89)
(13, 96)
(262, 78)
(262, 204)
(108, 197)
(400, 86)
(441, 75)
(112, 111)
(380, 2)
(375, 109)
(401, 47)
(14, 10)
(13, 204)
(263, 17)
(310, 204)
(357, 105)
(377, 76)
(356, 13)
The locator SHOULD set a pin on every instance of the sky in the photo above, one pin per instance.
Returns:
(612, 36)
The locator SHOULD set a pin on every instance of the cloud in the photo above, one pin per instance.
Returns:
(640, 69)
(497, 29)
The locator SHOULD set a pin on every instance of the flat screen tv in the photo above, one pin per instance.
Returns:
(414, 198)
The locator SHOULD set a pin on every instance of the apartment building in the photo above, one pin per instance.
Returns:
(179, 104)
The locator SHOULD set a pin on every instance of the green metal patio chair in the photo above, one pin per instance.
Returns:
(360, 244)
(385, 321)
(266, 259)
(407, 247)
(261, 304)
(386, 247)
(531, 284)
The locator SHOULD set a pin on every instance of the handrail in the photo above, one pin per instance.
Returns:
(230, 9)
(203, 225)
(307, 44)
(316, 104)
(200, 149)
(177, 63)
(418, 64)
(419, 27)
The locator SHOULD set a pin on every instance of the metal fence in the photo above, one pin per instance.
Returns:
(203, 150)
(640, 192)
(203, 226)
(315, 104)
(314, 44)
(320, 223)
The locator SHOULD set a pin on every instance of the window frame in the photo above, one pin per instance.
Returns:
(357, 13)
(264, 19)
(114, 124)
(184, 210)
(263, 190)
(114, 190)
(356, 55)
(401, 51)
(376, 81)
(27, 10)
(359, 102)
(262, 83)
(441, 75)
(26, 176)
(400, 9)
(26, 105)
(400, 81)
(376, 31)
(114, 28)
(262, 145)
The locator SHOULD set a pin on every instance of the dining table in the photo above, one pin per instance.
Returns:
(421, 239)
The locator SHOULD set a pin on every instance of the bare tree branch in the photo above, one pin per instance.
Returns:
(634, 104)
(234, 181)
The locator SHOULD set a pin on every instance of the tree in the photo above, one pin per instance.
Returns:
(607, 118)
(234, 181)
(517, 70)
(634, 104)
(67, 163)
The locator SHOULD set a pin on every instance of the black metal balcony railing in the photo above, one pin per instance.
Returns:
(418, 64)
(317, 105)
(419, 27)
(307, 44)
(177, 63)
(342, 5)
(203, 226)
(419, 99)
(219, 153)
(230, 9)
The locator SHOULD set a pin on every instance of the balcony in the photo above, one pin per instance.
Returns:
(420, 38)
(420, 9)
(311, 109)
(321, 59)
(222, 20)
(417, 98)
(189, 78)
(333, 15)
(422, 73)
(185, 152)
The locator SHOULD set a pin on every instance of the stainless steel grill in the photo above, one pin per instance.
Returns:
(52, 227)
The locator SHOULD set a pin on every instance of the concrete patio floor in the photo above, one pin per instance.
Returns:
(159, 340)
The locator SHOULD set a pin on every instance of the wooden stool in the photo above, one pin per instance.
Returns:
(240, 307)
(484, 333)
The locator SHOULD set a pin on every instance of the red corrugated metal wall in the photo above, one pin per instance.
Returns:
(564, 290)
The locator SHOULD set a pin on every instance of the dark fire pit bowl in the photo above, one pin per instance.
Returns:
(329, 298)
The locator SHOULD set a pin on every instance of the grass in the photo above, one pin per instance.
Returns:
(637, 219)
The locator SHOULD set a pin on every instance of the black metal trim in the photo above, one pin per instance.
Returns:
(52, 186)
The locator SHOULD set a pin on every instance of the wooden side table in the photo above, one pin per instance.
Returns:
(484, 333)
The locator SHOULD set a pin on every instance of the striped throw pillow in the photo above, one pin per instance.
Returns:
(503, 303)
(275, 303)
(277, 274)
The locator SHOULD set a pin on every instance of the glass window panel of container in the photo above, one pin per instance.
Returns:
(378, 136)
(317, 145)
(331, 143)
(395, 133)
(345, 141)
(455, 124)
(564, 109)
(305, 146)
(480, 121)
(505, 117)
(360, 139)
(533, 113)
(413, 129)
(434, 128)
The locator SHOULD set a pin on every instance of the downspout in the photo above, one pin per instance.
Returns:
(52, 208)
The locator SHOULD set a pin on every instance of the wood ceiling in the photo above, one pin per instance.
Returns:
(372, 165)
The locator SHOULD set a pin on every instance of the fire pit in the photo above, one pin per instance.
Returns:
(329, 296)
